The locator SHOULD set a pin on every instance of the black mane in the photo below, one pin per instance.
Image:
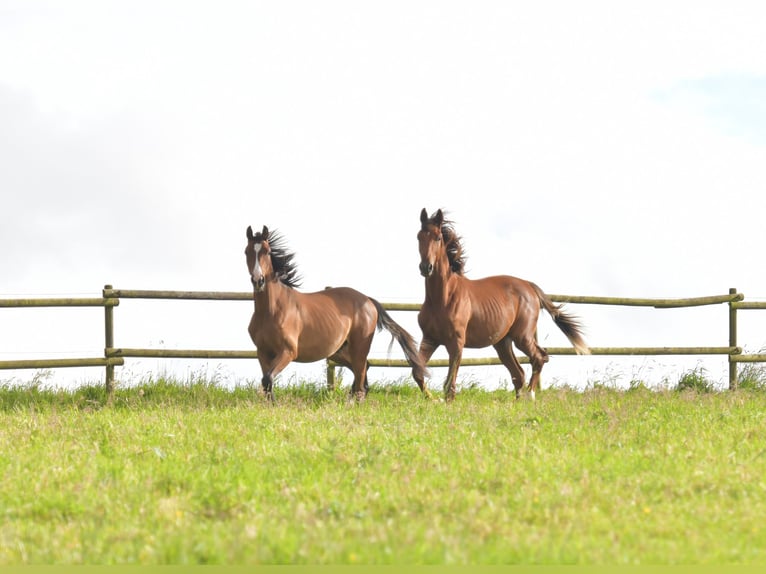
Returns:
(282, 260)
(453, 243)
(454, 246)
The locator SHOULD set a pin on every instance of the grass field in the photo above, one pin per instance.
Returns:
(189, 473)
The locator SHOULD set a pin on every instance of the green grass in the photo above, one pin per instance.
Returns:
(190, 473)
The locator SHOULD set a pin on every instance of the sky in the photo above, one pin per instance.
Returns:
(595, 148)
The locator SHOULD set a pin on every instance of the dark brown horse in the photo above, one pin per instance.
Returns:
(500, 311)
(288, 325)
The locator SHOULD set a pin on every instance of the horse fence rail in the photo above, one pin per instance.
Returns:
(115, 356)
(735, 358)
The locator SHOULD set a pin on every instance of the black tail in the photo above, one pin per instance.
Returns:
(569, 324)
(419, 371)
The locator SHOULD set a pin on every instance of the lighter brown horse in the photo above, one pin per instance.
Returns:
(459, 312)
(337, 323)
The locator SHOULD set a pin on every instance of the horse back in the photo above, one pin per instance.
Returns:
(331, 316)
(501, 288)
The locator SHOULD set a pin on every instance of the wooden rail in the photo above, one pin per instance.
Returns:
(62, 302)
(115, 356)
(108, 303)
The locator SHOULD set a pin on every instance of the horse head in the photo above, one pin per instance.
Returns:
(257, 255)
(441, 248)
(430, 241)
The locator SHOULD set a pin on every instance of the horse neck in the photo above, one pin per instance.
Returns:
(440, 285)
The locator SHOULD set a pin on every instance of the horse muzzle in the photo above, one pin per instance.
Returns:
(259, 283)
(426, 268)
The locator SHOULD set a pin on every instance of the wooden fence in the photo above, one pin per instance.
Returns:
(115, 356)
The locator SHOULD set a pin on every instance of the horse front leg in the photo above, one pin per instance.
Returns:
(455, 356)
(272, 368)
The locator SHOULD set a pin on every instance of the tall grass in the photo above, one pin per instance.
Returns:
(190, 473)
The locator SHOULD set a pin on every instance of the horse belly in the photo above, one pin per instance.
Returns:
(488, 325)
(445, 325)
(319, 342)
(480, 336)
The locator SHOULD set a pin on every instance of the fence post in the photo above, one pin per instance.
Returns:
(330, 375)
(108, 341)
(732, 340)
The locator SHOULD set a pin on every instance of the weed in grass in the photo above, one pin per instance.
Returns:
(752, 376)
(695, 380)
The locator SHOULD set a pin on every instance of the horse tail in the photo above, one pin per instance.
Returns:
(405, 340)
(569, 324)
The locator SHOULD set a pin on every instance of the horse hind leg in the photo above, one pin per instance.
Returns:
(342, 357)
(537, 358)
(505, 352)
(427, 349)
(360, 387)
(356, 354)
(348, 356)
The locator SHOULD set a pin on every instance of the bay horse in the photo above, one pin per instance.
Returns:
(337, 323)
(459, 312)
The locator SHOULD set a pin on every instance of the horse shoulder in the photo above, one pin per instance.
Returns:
(280, 318)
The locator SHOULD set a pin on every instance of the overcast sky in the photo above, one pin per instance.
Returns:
(596, 148)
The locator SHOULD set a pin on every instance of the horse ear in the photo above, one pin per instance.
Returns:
(423, 216)
(265, 233)
(439, 218)
(249, 233)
